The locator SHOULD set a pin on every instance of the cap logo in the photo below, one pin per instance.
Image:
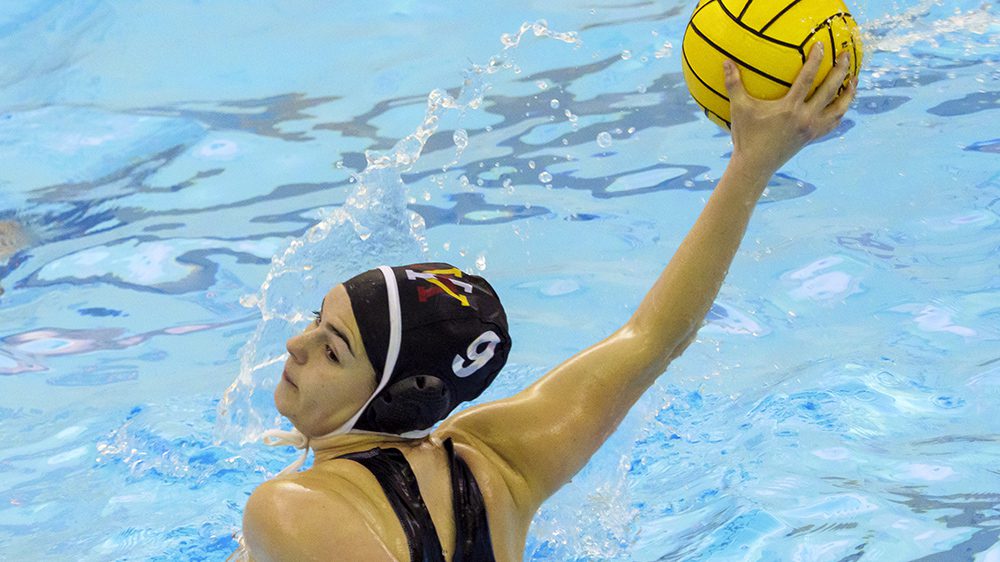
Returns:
(441, 285)
(478, 358)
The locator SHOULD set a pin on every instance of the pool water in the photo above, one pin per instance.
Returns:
(181, 182)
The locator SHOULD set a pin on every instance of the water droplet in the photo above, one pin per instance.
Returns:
(665, 50)
(481, 262)
(542, 85)
(626, 54)
(417, 222)
(603, 139)
(531, 164)
(461, 139)
(545, 177)
(688, 184)
(554, 104)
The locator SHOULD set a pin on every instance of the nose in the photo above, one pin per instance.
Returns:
(296, 348)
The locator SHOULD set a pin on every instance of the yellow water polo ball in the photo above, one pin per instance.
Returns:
(769, 40)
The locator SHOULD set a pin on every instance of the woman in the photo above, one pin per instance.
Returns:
(393, 350)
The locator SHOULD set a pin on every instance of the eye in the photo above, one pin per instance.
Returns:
(331, 354)
(316, 313)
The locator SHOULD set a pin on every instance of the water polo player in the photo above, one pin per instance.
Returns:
(394, 350)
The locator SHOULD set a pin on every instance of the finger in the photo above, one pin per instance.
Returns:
(803, 83)
(839, 107)
(734, 84)
(833, 81)
(834, 113)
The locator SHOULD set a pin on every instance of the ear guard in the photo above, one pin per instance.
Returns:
(415, 401)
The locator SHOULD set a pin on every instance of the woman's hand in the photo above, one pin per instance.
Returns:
(766, 134)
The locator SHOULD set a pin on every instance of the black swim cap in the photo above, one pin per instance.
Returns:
(436, 336)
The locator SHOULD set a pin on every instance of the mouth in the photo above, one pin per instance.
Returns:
(286, 378)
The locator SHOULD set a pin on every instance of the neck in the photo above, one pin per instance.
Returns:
(328, 448)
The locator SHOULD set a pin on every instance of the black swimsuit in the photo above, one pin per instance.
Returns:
(472, 532)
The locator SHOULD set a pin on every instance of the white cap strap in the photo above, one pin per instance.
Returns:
(276, 437)
(295, 438)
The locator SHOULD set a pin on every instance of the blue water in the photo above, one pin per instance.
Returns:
(179, 182)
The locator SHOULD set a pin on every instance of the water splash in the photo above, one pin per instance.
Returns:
(539, 28)
(969, 33)
(373, 227)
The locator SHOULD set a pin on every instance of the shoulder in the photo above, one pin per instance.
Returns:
(275, 502)
(287, 519)
(499, 480)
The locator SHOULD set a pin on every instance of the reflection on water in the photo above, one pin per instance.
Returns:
(839, 404)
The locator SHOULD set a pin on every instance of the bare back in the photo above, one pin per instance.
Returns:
(376, 532)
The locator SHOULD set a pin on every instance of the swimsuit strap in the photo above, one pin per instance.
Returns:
(394, 474)
(472, 530)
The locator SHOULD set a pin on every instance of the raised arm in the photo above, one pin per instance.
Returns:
(765, 136)
(547, 433)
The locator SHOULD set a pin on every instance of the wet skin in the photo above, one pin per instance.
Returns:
(326, 379)
(521, 449)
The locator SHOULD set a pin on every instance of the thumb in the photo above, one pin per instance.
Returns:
(734, 84)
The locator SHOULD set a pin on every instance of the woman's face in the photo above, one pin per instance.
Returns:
(327, 376)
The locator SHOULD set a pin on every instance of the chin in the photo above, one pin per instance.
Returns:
(280, 401)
